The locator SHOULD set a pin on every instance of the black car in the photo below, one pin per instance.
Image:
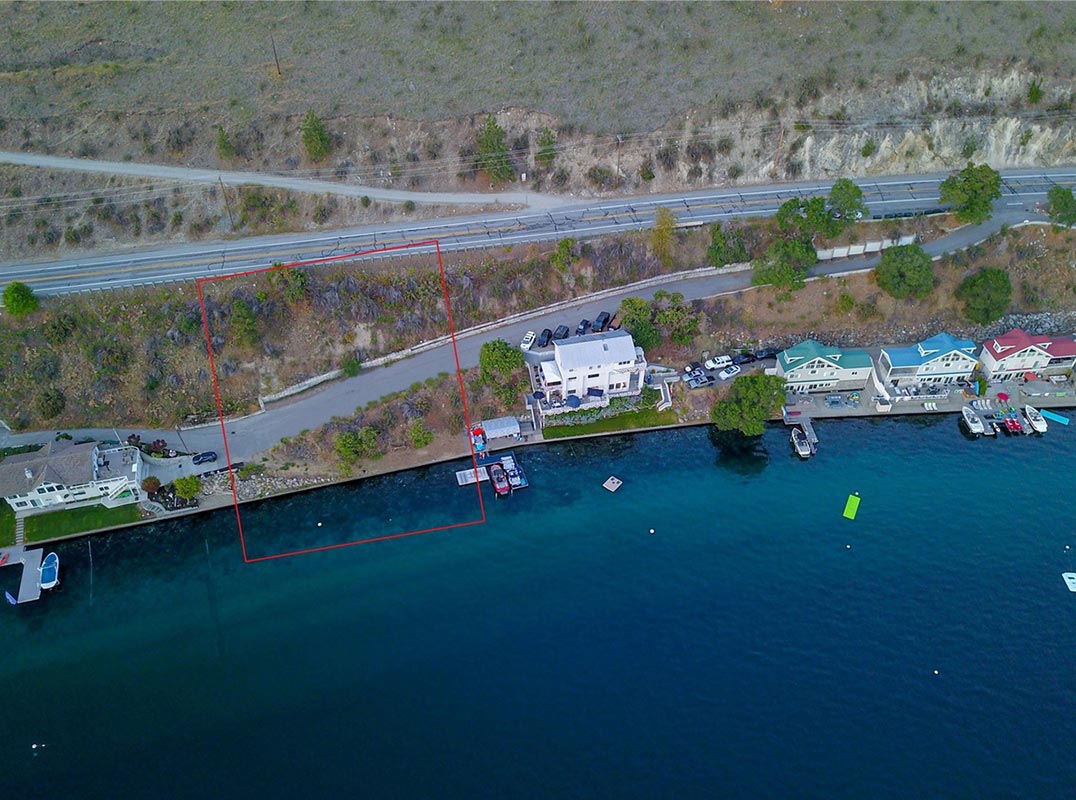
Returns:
(560, 333)
(601, 321)
(584, 326)
(544, 337)
(768, 352)
(207, 457)
(743, 358)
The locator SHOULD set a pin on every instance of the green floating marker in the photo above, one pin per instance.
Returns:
(852, 506)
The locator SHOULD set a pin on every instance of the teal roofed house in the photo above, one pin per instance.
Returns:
(940, 359)
(814, 367)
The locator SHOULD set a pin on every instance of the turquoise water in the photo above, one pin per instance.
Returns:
(560, 650)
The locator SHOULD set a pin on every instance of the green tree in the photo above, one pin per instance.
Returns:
(1062, 205)
(725, 248)
(751, 401)
(315, 136)
(637, 316)
(498, 361)
(785, 264)
(492, 149)
(986, 295)
(662, 237)
(972, 192)
(292, 282)
(678, 321)
(51, 403)
(244, 324)
(352, 445)
(225, 145)
(803, 217)
(187, 487)
(562, 257)
(905, 272)
(151, 484)
(19, 299)
(419, 434)
(846, 202)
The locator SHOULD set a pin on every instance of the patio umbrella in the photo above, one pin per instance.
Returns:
(1003, 397)
(573, 401)
(538, 395)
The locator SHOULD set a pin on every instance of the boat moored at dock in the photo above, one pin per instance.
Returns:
(1035, 419)
(499, 478)
(972, 421)
(49, 571)
(800, 442)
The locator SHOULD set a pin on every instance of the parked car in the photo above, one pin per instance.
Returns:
(208, 457)
(744, 358)
(583, 328)
(544, 337)
(699, 383)
(731, 372)
(766, 352)
(528, 340)
(601, 322)
(718, 362)
(560, 333)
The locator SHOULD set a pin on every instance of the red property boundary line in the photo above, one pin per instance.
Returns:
(220, 409)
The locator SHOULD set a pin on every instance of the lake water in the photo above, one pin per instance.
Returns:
(560, 650)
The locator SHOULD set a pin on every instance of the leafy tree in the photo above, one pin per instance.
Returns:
(243, 322)
(725, 248)
(351, 446)
(316, 137)
(972, 192)
(492, 150)
(637, 315)
(188, 486)
(986, 295)
(661, 238)
(1062, 205)
(785, 264)
(498, 361)
(804, 217)
(419, 434)
(846, 201)
(19, 299)
(751, 401)
(677, 320)
(562, 257)
(50, 403)
(151, 484)
(906, 272)
(547, 148)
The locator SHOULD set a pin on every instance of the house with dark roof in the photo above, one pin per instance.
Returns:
(814, 367)
(940, 359)
(1017, 353)
(63, 473)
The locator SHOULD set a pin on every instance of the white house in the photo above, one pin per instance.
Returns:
(1017, 353)
(939, 359)
(814, 367)
(593, 367)
(63, 473)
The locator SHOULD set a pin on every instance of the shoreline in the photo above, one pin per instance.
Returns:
(218, 502)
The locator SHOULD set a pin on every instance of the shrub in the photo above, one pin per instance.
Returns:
(315, 137)
(870, 148)
(492, 152)
(1034, 92)
(547, 149)
(19, 299)
(225, 145)
(50, 403)
(352, 367)
(419, 434)
(151, 484)
(187, 487)
(409, 205)
(986, 295)
(845, 303)
(351, 446)
(646, 171)
(244, 324)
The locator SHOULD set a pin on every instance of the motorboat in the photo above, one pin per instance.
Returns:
(499, 478)
(1038, 423)
(800, 442)
(49, 571)
(972, 421)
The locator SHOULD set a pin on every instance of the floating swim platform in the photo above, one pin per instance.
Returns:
(1070, 580)
(613, 483)
(851, 508)
(1050, 415)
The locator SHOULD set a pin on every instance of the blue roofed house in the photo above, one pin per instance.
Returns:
(814, 367)
(940, 359)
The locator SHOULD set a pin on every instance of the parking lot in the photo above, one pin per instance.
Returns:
(725, 367)
(167, 470)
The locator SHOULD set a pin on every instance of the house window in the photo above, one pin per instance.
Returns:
(593, 375)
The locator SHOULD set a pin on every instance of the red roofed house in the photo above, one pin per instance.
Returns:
(1014, 353)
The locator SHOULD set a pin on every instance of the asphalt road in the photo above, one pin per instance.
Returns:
(883, 196)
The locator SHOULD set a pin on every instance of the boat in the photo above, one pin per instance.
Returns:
(800, 442)
(1038, 424)
(49, 571)
(1070, 580)
(972, 421)
(515, 476)
(990, 429)
(499, 478)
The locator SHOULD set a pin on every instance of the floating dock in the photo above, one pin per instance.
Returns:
(613, 483)
(1050, 415)
(517, 479)
(30, 584)
(851, 508)
(465, 477)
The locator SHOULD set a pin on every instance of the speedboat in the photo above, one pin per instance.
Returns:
(799, 441)
(1038, 424)
(972, 421)
(499, 479)
(50, 571)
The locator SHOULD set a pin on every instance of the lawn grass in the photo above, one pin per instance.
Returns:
(644, 418)
(78, 520)
(7, 525)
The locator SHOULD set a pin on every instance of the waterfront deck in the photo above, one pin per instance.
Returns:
(30, 584)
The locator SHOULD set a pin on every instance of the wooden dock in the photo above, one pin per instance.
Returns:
(30, 584)
(808, 428)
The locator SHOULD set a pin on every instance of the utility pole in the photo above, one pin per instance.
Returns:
(227, 202)
(272, 39)
(618, 140)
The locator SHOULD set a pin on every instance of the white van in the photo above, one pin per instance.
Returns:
(718, 362)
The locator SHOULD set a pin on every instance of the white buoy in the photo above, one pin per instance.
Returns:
(651, 531)
(935, 672)
(319, 524)
(848, 547)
